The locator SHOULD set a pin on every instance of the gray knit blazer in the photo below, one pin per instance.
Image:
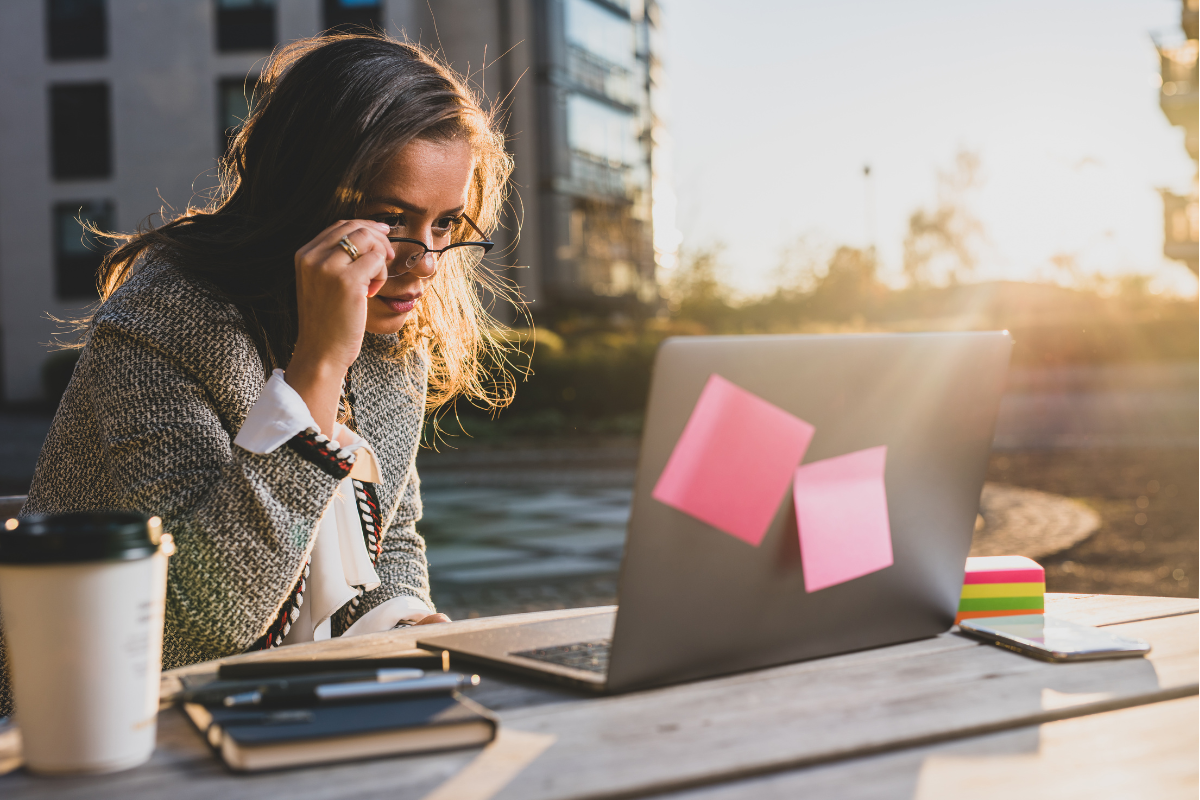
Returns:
(147, 423)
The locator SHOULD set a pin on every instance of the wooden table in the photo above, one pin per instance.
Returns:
(939, 718)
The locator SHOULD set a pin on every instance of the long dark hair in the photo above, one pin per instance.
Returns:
(327, 115)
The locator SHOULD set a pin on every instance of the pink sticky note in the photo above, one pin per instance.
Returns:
(732, 465)
(841, 511)
(1004, 569)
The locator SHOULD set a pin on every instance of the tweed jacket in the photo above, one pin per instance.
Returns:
(161, 389)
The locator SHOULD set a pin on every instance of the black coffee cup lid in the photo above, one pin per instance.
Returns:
(79, 537)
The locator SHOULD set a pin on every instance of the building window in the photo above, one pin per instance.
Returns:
(600, 51)
(601, 130)
(76, 29)
(352, 15)
(245, 25)
(77, 251)
(234, 97)
(601, 32)
(80, 131)
(605, 153)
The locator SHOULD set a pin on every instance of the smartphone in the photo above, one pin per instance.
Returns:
(1052, 639)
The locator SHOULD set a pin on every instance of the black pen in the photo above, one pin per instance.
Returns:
(437, 683)
(279, 668)
(219, 692)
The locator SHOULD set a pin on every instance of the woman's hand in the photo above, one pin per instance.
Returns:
(432, 619)
(331, 299)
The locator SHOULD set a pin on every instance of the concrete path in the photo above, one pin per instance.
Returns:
(1025, 522)
(1128, 405)
(522, 535)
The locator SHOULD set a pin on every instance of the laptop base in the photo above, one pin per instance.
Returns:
(499, 647)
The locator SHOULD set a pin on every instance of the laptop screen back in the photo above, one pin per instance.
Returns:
(697, 602)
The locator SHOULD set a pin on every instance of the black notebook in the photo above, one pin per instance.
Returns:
(249, 740)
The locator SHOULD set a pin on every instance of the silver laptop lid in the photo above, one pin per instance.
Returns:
(696, 602)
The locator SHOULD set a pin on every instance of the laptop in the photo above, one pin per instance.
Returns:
(695, 602)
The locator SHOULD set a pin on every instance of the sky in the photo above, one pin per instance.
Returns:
(776, 105)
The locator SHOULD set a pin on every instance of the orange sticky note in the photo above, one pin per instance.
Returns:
(732, 465)
(841, 511)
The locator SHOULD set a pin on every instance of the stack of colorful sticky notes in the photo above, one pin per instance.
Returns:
(1002, 586)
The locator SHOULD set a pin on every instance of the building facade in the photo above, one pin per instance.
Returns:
(111, 110)
(1178, 99)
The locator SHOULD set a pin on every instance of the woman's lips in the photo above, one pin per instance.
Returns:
(401, 304)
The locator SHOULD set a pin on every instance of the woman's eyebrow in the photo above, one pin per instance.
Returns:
(392, 201)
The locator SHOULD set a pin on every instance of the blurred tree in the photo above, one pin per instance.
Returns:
(1065, 271)
(849, 287)
(1134, 287)
(696, 291)
(802, 264)
(940, 244)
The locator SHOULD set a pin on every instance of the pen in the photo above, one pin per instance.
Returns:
(278, 668)
(437, 683)
(220, 692)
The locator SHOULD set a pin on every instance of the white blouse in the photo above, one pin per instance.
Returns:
(339, 562)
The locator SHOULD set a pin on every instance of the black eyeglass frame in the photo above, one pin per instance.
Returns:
(487, 244)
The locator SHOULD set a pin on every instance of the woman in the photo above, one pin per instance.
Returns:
(258, 371)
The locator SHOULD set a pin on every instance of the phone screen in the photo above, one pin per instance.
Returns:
(1056, 638)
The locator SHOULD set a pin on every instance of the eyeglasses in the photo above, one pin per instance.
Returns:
(405, 263)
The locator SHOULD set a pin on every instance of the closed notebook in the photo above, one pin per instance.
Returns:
(249, 740)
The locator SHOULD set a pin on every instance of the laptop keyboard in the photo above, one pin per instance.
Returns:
(592, 656)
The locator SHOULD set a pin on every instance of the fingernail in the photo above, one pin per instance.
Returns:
(383, 226)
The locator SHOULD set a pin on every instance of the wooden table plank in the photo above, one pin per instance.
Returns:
(846, 707)
(1110, 609)
(832, 709)
(1144, 751)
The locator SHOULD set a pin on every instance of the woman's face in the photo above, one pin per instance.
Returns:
(423, 190)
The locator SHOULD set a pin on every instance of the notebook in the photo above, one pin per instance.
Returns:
(249, 740)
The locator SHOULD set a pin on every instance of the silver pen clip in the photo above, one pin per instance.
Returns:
(243, 699)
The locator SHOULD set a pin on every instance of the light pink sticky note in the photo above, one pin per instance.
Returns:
(841, 511)
(732, 465)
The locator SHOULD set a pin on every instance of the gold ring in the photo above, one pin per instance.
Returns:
(349, 247)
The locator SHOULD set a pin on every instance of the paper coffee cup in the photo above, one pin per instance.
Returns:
(81, 604)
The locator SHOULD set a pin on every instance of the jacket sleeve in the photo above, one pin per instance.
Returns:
(243, 523)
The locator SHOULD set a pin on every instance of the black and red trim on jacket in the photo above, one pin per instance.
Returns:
(367, 500)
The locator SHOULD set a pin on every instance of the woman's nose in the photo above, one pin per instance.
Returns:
(427, 261)
(423, 265)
